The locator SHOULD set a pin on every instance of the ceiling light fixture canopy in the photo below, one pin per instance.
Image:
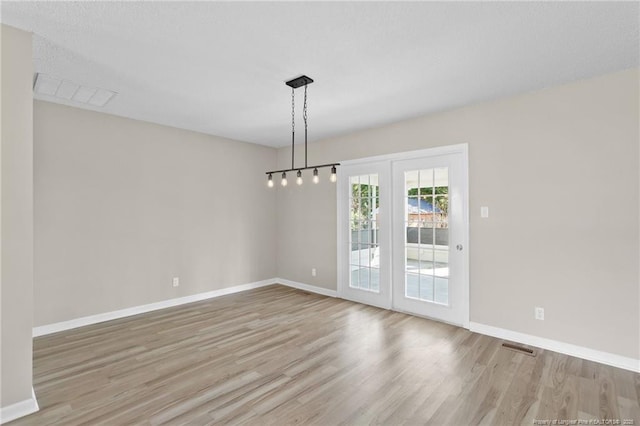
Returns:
(294, 84)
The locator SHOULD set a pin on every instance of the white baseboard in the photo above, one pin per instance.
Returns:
(307, 287)
(607, 358)
(135, 310)
(19, 409)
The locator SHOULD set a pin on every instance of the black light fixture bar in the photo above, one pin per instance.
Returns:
(302, 168)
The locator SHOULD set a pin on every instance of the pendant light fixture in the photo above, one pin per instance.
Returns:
(294, 84)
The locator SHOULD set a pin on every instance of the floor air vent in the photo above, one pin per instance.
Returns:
(519, 349)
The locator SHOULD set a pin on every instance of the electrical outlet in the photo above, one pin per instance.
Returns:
(539, 313)
(176, 281)
(313, 272)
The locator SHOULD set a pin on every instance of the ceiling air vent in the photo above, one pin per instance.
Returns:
(70, 91)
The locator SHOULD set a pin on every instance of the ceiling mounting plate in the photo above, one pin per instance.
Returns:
(303, 80)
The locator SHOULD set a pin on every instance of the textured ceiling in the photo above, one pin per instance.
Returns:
(220, 67)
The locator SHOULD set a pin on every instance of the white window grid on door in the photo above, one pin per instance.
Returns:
(364, 262)
(426, 262)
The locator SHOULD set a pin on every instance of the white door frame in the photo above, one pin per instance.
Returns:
(463, 149)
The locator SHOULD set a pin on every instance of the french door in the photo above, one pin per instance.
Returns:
(364, 255)
(403, 232)
(429, 238)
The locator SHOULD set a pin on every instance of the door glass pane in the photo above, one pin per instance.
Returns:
(412, 287)
(354, 182)
(441, 263)
(427, 239)
(413, 211)
(364, 201)
(373, 229)
(375, 207)
(426, 260)
(375, 256)
(411, 179)
(364, 278)
(442, 290)
(426, 287)
(364, 256)
(375, 279)
(412, 258)
(354, 280)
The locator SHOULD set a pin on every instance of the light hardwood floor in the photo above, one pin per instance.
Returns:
(280, 356)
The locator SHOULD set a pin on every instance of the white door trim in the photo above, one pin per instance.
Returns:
(406, 155)
(462, 149)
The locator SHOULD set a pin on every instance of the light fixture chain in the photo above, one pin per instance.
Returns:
(293, 110)
(293, 126)
(304, 108)
(304, 116)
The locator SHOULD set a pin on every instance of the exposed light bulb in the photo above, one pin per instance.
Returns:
(299, 178)
(333, 178)
(283, 182)
(316, 178)
(270, 181)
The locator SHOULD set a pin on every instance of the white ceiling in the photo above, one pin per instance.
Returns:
(220, 67)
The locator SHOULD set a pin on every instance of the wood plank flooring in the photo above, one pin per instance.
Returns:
(278, 356)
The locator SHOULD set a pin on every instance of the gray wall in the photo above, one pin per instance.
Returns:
(16, 314)
(123, 206)
(573, 148)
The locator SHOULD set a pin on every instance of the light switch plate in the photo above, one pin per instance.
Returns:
(484, 211)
